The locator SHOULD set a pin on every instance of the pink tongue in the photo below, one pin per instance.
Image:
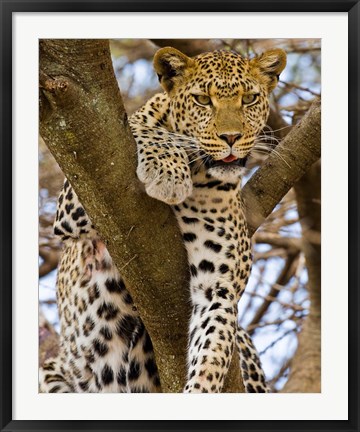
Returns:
(230, 158)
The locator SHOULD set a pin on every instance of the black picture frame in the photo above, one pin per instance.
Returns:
(9, 7)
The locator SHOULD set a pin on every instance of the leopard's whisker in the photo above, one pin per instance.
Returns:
(281, 157)
(279, 129)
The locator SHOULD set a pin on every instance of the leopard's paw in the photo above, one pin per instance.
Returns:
(171, 185)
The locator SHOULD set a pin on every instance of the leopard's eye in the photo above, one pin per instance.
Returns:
(202, 99)
(249, 98)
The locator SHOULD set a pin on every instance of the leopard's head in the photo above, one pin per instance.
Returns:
(219, 98)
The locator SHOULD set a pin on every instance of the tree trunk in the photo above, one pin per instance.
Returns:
(84, 124)
(305, 375)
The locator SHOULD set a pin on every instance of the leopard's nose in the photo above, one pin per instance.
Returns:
(230, 138)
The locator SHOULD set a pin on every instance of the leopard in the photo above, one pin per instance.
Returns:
(193, 141)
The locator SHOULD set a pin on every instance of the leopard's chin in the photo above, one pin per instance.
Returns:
(226, 170)
(226, 173)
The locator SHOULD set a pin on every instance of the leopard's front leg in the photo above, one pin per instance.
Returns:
(214, 231)
(219, 253)
(212, 337)
(163, 164)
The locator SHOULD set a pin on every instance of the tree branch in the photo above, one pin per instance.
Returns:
(282, 169)
(283, 278)
(50, 260)
(187, 46)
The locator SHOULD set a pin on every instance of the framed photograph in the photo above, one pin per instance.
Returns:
(179, 215)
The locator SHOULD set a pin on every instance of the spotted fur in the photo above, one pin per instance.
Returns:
(192, 144)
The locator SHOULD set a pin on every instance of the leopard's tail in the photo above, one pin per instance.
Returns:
(52, 378)
(250, 365)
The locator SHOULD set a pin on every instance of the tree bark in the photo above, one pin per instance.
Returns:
(282, 169)
(305, 368)
(84, 124)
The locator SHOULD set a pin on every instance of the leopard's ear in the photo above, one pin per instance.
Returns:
(268, 66)
(170, 65)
